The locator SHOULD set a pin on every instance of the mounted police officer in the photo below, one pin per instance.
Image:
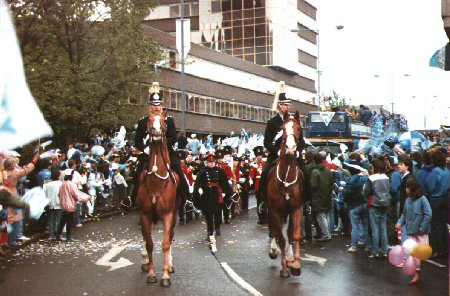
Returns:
(141, 137)
(273, 138)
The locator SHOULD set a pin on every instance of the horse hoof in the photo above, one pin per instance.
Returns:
(144, 267)
(296, 271)
(284, 273)
(165, 283)
(151, 279)
(172, 270)
(273, 256)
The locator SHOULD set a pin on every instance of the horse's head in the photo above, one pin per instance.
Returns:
(291, 132)
(157, 127)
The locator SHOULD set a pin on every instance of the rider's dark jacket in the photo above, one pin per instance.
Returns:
(171, 136)
(273, 146)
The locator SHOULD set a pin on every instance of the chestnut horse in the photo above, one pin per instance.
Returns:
(157, 198)
(284, 190)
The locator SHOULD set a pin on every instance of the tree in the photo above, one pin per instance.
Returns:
(336, 101)
(83, 60)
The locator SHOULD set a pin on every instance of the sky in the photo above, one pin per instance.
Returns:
(388, 39)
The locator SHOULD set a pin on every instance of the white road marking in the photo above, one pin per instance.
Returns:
(122, 262)
(239, 280)
(321, 261)
(435, 263)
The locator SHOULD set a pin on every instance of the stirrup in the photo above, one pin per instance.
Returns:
(262, 208)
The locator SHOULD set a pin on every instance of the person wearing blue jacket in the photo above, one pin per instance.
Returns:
(425, 170)
(415, 218)
(357, 204)
(437, 187)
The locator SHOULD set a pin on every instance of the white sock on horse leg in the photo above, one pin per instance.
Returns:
(144, 254)
(273, 244)
(289, 252)
(170, 257)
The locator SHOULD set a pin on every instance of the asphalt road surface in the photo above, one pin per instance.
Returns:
(105, 260)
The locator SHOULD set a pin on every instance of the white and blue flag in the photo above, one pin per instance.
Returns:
(21, 121)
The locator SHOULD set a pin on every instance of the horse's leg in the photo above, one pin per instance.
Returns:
(296, 217)
(172, 233)
(146, 226)
(289, 252)
(167, 224)
(284, 272)
(272, 219)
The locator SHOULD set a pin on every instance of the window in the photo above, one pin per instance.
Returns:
(174, 11)
(190, 104)
(194, 9)
(173, 100)
(207, 106)
(202, 105)
(196, 104)
(218, 109)
(215, 6)
(316, 117)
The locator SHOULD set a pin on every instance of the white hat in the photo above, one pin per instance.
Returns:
(68, 172)
(194, 135)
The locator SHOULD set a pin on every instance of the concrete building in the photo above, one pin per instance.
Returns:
(222, 93)
(240, 50)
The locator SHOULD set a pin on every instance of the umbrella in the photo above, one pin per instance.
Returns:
(413, 141)
(97, 150)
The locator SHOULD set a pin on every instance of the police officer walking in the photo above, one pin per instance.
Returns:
(208, 188)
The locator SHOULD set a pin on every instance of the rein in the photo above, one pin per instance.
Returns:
(285, 182)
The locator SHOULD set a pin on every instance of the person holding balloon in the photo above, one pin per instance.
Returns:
(416, 216)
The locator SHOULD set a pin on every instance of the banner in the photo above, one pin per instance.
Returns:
(21, 121)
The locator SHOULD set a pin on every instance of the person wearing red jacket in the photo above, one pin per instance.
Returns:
(229, 174)
(255, 175)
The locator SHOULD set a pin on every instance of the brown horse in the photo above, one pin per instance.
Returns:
(284, 190)
(157, 198)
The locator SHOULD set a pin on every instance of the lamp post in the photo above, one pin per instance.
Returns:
(392, 88)
(183, 100)
(339, 27)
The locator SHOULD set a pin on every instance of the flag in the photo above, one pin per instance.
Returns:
(21, 121)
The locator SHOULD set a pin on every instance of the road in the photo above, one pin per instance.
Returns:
(51, 268)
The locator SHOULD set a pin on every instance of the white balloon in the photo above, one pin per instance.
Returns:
(409, 245)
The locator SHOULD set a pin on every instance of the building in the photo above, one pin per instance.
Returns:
(240, 50)
(222, 93)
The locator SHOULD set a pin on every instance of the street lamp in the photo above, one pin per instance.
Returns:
(392, 88)
(338, 27)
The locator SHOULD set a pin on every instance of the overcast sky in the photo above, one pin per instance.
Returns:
(388, 38)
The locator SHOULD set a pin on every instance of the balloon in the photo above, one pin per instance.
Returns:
(409, 266)
(396, 255)
(97, 150)
(409, 245)
(422, 251)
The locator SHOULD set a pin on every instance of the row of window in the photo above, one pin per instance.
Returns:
(211, 106)
(216, 107)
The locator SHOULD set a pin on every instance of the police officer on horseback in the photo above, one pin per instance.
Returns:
(141, 138)
(273, 139)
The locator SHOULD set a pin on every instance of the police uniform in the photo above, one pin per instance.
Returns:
(140, 143)
(255, 174)
(272, 142)
(244, 172)
(212, 182)
(231, 177)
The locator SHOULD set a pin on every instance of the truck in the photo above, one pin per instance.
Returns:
(330, 129)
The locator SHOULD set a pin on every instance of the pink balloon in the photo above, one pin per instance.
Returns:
(396, 255)
(409, 266)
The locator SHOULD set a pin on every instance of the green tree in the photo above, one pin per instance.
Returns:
(83, 63)
(337, 101)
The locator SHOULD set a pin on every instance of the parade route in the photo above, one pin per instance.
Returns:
(240, 266)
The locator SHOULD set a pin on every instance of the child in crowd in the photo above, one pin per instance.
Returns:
(416, 216)
(68, 197)
(51, 190)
